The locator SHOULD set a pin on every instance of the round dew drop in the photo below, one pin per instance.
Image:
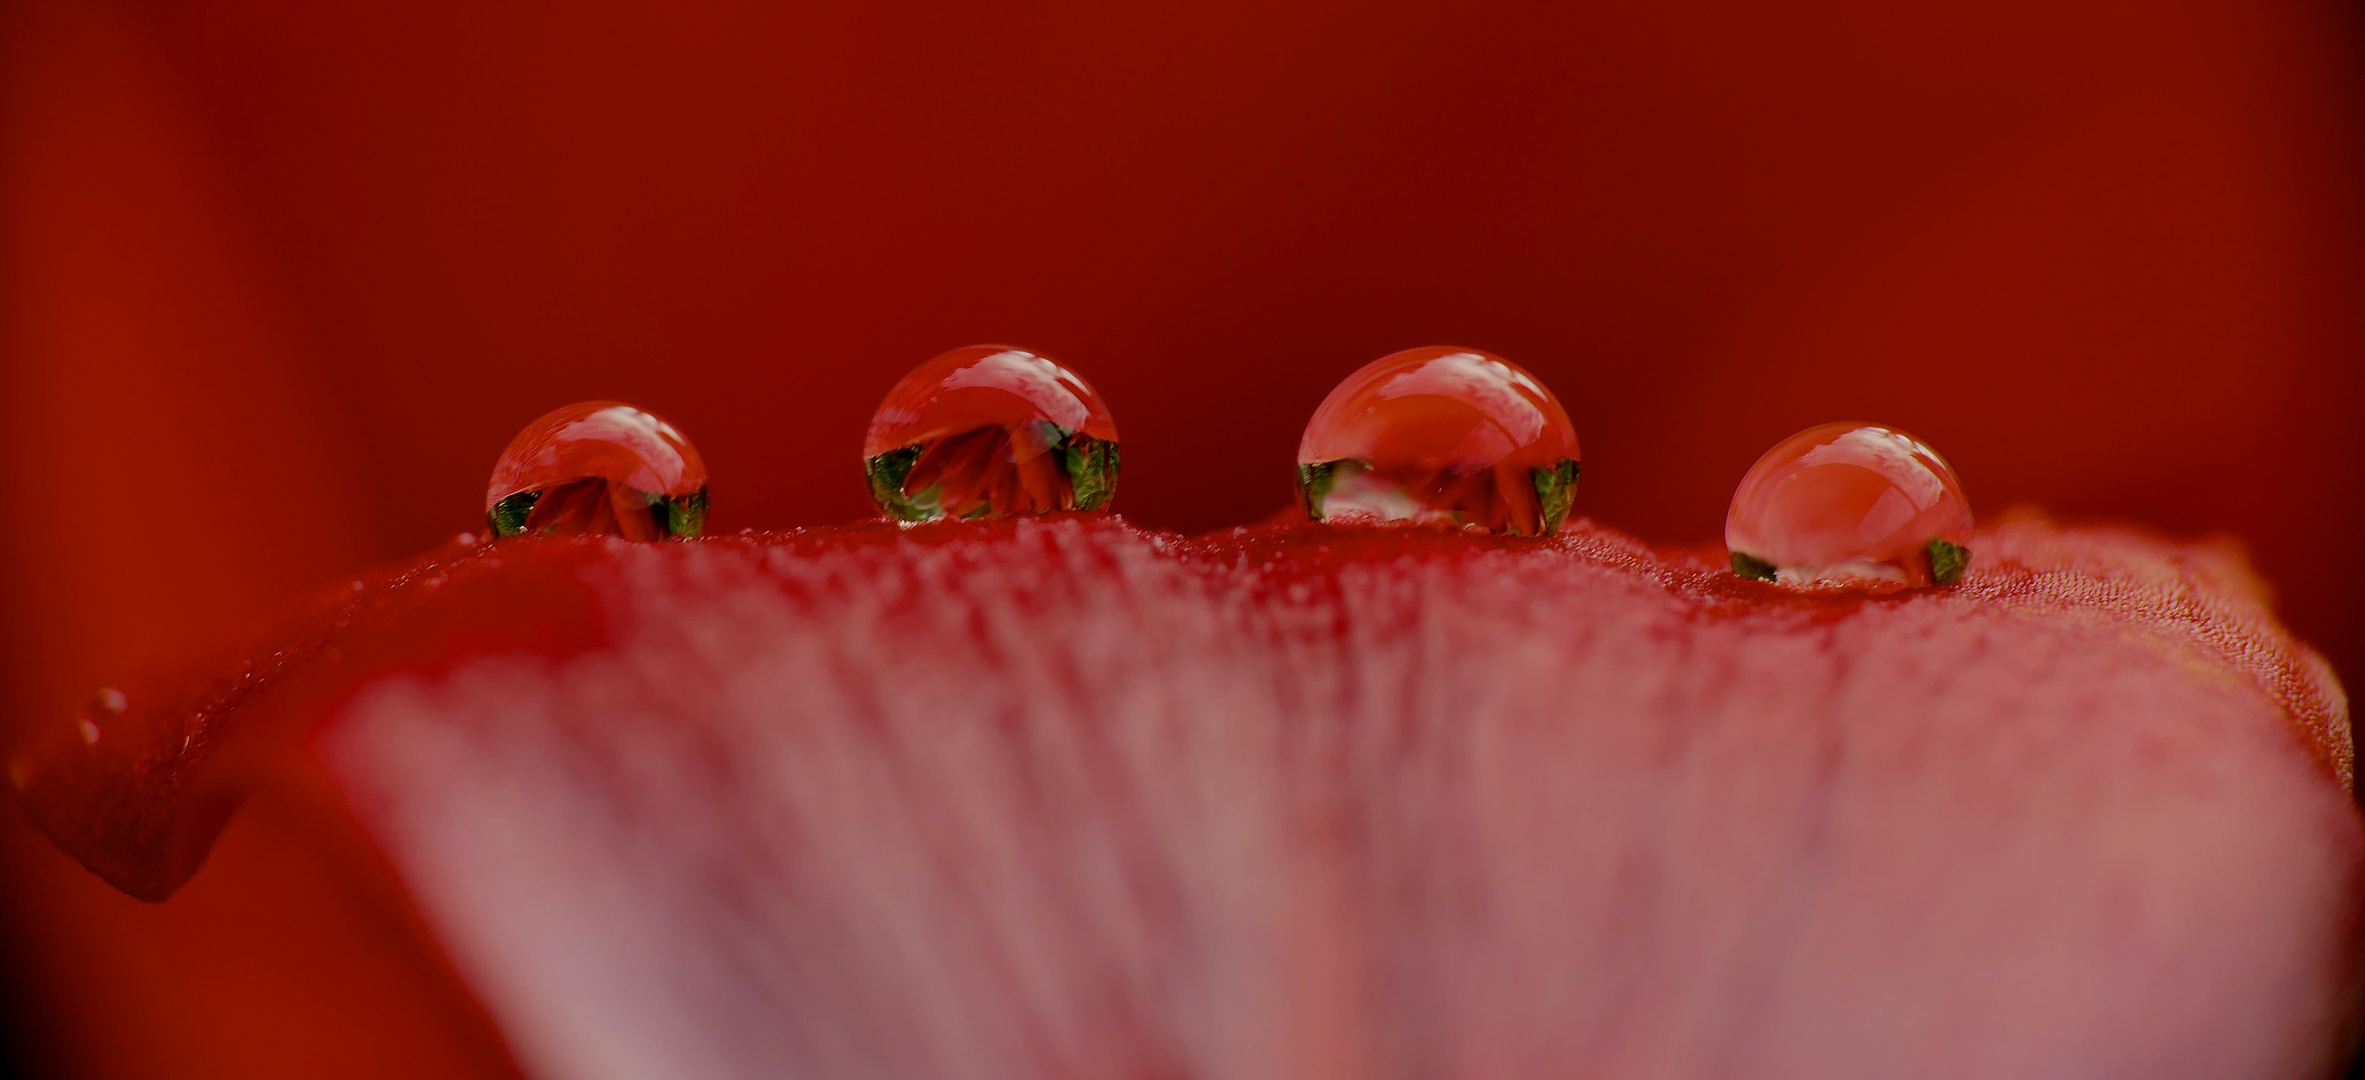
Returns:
(1850, 502)
(599, 467)
(1441, 434)
(990, 431)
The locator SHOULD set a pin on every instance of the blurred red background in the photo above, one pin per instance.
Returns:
(278, 280)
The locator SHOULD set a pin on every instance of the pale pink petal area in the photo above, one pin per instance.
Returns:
(906, 808)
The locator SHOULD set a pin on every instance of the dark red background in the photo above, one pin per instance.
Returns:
(279, 278)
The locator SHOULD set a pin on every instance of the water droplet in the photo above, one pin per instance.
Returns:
(1850, 502)
(466, 539)
(90, 732)
(598, 467)
(1441, 434)
(988, 431)
(109, 701)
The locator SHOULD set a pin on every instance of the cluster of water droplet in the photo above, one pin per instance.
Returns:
(1436, 435)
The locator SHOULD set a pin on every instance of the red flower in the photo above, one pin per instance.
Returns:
(281, 281)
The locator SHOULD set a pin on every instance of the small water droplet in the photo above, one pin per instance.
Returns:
(598, 467)
(1850, 502)
(110, 701)
(90, 732)
(1441, 434)
(466, 539)
(990, 431)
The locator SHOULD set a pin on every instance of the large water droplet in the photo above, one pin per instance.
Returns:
(1441, 434)
(599, 467)
(989, 431)
(1850, 502)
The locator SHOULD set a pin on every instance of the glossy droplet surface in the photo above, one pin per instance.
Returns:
(599, 467)
(1850, 501)
(989, 431)
(1441, 434)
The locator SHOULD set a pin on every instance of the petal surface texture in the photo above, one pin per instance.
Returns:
(870, 801)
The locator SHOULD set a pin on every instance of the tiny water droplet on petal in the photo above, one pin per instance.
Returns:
(598, 467)
(90, 732)
(990, 431)
(1441, 434)
(1850, 502)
